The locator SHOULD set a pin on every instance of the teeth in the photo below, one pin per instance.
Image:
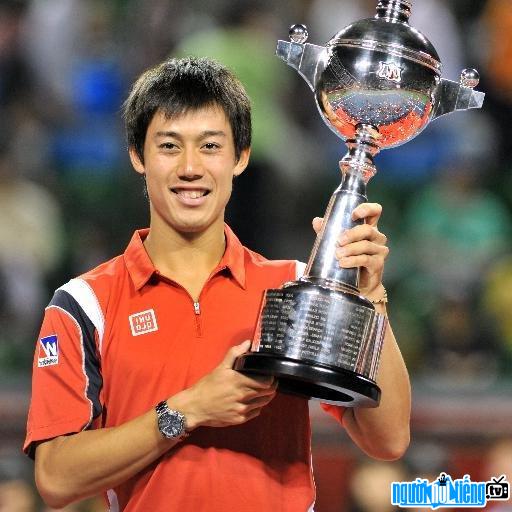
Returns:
(191, 194)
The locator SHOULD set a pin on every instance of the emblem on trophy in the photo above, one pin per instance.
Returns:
(377, 85)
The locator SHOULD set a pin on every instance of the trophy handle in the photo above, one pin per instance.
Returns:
(450, 96)
(308, 59)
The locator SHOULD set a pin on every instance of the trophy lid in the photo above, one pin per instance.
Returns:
(390, 33)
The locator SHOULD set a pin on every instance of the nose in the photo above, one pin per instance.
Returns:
(190, 167)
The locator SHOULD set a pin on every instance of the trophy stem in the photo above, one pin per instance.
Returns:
(357, 168)
(323, 266)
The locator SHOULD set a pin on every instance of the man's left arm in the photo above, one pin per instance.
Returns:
(383, 432)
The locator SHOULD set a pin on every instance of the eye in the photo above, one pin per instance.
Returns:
(170, 146)
(211, 146)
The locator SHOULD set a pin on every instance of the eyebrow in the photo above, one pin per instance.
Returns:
(203, 135)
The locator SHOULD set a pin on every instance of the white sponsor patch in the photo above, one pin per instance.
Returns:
(143, 322)
(48, 351)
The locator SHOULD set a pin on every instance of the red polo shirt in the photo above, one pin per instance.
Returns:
(122, 337)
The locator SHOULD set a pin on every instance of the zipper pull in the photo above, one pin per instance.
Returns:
(197, 310)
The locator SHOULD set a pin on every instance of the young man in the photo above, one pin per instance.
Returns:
(162, 324)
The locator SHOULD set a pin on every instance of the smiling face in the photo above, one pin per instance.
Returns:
(189, 163)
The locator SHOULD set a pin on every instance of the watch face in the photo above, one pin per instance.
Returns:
(171, 424)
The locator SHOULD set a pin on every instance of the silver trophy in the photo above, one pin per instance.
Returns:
(377, 85)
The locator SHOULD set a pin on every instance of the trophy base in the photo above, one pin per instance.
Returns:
(336, 387)
(321, 342)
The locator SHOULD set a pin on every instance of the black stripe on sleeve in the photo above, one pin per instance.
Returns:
(67, 302)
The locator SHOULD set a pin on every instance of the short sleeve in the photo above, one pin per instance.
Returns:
(335, 411)
(66, 374)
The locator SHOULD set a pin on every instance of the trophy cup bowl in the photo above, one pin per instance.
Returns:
(371, 83)
(377, 85)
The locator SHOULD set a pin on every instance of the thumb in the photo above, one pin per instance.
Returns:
(234, 352)
(317, 224)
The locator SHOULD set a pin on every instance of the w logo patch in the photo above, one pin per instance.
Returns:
(48, 351)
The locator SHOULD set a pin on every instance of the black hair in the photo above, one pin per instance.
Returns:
(178, 85)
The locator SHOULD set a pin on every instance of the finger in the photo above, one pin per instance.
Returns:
(362, 232)
(255, 406)
(374, 264)
(268, 380)
(259, 401)
(253, 384)
(233, 353)
(251, 415)
(261, 381)
(362, 247)
(370, 212)
(263, 390)
(317, 224)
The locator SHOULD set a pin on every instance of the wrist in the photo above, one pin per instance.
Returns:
(378, 295)
(379, 298)
(183, 402)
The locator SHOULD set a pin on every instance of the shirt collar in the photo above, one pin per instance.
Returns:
(137, 260)
(234, 257)
(141, 268)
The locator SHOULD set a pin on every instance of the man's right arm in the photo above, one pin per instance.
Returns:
(69, 468)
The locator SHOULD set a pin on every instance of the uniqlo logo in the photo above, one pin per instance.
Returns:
(143, 322)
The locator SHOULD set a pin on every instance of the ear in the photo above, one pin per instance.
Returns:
(242, 161)
(135, 159)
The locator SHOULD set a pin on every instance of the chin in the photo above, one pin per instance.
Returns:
(191, 227)
(191, 230)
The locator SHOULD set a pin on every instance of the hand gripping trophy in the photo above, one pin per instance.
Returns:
(377, 85)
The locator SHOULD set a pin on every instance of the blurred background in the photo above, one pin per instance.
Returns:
(69, 200)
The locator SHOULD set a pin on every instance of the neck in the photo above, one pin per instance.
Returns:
(185, 256)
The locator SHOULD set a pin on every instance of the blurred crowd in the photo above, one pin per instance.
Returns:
(68, 199)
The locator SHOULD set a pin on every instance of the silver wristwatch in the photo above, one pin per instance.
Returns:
(171, 423)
